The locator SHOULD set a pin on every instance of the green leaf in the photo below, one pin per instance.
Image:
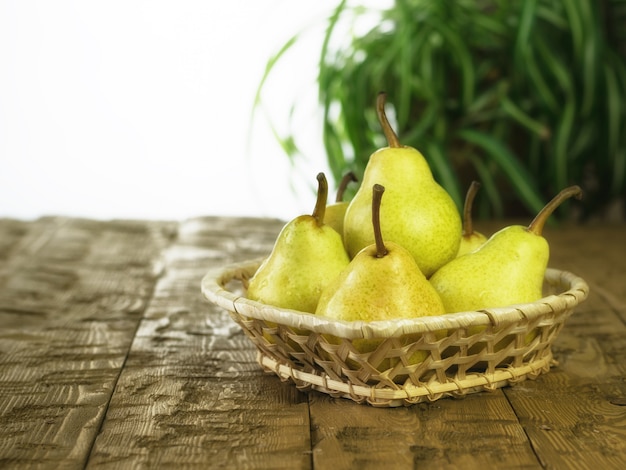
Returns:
(521, 180)
(489, 186)
(524, 119)
(271, 63)
(443, 171)
(335, 153)
(589, 64)
(457, 46)
(332, 23)
(541, 87)
(575, 22)
(269, 66)
(615, 112)
(562, 138)
(423, 126)
(547, 13)
(613, 108)
(526, 23)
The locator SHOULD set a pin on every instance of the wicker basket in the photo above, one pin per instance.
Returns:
(401, 362)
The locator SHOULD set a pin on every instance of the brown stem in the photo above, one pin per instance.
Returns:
(468, 227)
(343, 184)
(390, 135)
(536, 226)
(322, 196)
(377, 196)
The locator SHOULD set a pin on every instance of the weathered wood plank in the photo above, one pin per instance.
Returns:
(477, 432)
(191, 393)
(571, 423)
(575, 415)
(597, 254)
(71, 295)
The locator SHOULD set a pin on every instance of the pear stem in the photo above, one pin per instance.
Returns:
(322, 196)
(377, 196)
(390, 135)
(343, 184)
(536, 226)
(468, 227)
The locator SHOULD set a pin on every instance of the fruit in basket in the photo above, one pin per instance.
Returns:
(417, 213)
(509, 268)
(470, 239)
(336, 211)
(382, 282)
(307, 254)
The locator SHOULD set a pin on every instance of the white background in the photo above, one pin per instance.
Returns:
(141, 109)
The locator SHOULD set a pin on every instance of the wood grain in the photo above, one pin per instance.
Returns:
(573, 416)
(475, 432)
(192, 393)
(111, 358)
(71, 296)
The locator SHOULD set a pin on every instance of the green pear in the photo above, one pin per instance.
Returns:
(382, 282)
(470, 238)
(336, 211)
(307, 254)
(509, 268)
(417, 213)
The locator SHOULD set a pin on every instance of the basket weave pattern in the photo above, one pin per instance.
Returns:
(402, 362)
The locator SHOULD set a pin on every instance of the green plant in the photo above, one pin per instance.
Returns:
(525, 96)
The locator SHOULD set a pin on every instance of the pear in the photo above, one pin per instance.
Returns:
(509, 268)
(307, 254)
(470, 238)
(336, 211)
(382, 282)
(417, 212)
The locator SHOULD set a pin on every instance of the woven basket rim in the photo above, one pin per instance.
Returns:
(214, 288)
(407, 393)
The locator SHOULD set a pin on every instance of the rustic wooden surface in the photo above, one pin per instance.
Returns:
(111, 358)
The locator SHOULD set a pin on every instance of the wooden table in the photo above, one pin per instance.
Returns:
(111, 358)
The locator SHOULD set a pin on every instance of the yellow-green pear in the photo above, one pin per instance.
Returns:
(417, 213)
(336, 211)
(509, 268)
(470, 238)
(307, 255)
(382, 282)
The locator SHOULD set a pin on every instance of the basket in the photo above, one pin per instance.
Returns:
(401, 362)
